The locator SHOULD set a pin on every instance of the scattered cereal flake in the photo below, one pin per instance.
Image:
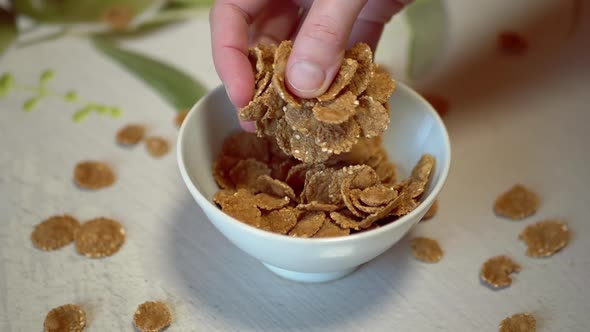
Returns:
(280, 70)
(239, 204)
(496, 271)
(157, 146)
(377, 195)
(221, 168)
(93, 175)
(68, 317)
(309, 224)
(439, 103)
(426, 249)
(274, 187)
(345, 75)
(130, 134)
(336, 111)
(55, 232)
(545, 238)
(512, 43)
(371, 116)
(180, 116)
(522, 322)
(360, 52)
(152, 316)
(281, 221)
(432, 211)
(317, 206)
(100, 237)
(381, 86)
(517, 203)
(246, 172)
(345, 219)
(244, 145)
(267, 202)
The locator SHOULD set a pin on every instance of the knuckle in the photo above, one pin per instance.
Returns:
(324, 29)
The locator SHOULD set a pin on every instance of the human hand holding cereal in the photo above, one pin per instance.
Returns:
(321, 32)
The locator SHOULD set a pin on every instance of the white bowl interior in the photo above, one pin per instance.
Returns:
(415, 129)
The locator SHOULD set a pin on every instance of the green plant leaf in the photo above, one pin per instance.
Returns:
(190, 3)
(8, 30)
(427, 21)
(176, 87)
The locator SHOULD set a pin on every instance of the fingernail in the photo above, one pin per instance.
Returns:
(305, 76)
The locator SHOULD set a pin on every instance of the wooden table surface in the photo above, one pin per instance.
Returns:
(511, 120)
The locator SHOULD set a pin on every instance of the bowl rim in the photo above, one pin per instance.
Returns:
(202, 200)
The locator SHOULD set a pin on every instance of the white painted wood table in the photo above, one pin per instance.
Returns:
(511, 120)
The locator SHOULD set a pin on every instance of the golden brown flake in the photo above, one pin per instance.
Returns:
(496, 271)
(345, 219)
(432, 211)
(55, 232)
(152, 316)
(517, 203)
(246, 172)
(522, 322)
(221, 168)
(130, 134)
(381, 86)
(93, 175)
(240, 205)
(100, 237)
(355, 197)
(426, 249)
(157, 146)
(274, 187)
(345, 75)
(377, 195)
(337, 111)
(244, 145)
(267, 202)
(362, 53)
(545, 238)
(180, 116)
(311, 130)
(317, 206)
(309, 224)
(281, 221)
(65, 318)
(330, 229)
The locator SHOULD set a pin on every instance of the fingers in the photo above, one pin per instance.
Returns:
(275, 24)
(229, 20)
(319, 46)
(371, 21)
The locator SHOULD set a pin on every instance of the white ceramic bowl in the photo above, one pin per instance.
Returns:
(415, 129)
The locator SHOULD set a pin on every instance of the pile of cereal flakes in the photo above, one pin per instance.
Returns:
(316, 167)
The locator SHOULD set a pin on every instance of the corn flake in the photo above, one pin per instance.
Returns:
(517, 203)
(267, 202)
(239, 204)
(345, 75)
(381, 86)
(93, 175)
(522, 322)
(309, 224)
(274, 187)
(246, 172)
(157, 146)
(426, 249)
(130, 134)
(55, 232)
(330, 229)
(337, 111)
(545, 238)
(496, 271)
(281, 221)
(68, 317)
(180, 116)
(152, 316)
(100, 237)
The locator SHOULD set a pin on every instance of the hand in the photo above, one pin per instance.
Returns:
(322, 32)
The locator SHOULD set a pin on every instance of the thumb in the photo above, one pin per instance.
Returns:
(319, 46)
